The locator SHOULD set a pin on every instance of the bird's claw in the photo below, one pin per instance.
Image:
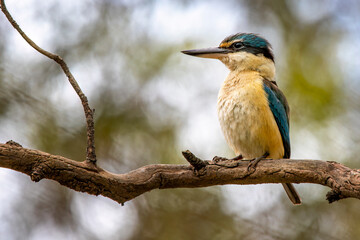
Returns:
(238, 157)
(219, 159)
(253, 163)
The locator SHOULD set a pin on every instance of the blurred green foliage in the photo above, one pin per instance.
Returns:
(121, 64)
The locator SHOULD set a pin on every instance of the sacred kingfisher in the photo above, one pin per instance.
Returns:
(253, 112)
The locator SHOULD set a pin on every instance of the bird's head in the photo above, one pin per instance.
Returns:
(244, 51)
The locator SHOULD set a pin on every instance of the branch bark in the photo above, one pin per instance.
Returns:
(85, 177)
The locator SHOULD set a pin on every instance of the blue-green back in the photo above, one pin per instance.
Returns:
(279, 108)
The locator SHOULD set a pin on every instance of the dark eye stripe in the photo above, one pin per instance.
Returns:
(237, 45)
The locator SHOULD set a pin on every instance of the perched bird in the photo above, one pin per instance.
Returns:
(253, 112)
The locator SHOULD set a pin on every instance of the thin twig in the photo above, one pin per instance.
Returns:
(89, 113)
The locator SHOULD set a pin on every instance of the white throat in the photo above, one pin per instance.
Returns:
(243, 61)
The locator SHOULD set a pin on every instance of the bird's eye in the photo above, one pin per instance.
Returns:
(237, 45)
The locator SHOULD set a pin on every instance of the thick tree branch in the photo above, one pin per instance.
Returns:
(80, 176)
(89, 113)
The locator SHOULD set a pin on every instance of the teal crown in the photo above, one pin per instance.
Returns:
(249, 39)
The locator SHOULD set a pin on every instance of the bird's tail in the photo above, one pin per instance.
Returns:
(292, 193)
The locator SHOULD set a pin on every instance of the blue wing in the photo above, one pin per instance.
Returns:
(280, 109)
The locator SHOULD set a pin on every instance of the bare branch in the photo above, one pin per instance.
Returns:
(80, 176)
(89, 113)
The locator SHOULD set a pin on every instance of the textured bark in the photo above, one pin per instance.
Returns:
(86, 177)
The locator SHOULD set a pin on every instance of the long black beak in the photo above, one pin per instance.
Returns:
(215, 52)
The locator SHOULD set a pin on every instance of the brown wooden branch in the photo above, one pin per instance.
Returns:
(89, 113)
(82, 177)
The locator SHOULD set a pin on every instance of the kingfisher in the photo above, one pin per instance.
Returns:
(253, 112)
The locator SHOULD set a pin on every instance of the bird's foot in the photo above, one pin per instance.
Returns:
(255, 161)
(221, 159)
(238, 157)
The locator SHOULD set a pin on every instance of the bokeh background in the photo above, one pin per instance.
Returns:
(152, 102)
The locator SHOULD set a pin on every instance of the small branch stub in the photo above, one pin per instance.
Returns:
(333, 196)
(196, 162)
(13, 143)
